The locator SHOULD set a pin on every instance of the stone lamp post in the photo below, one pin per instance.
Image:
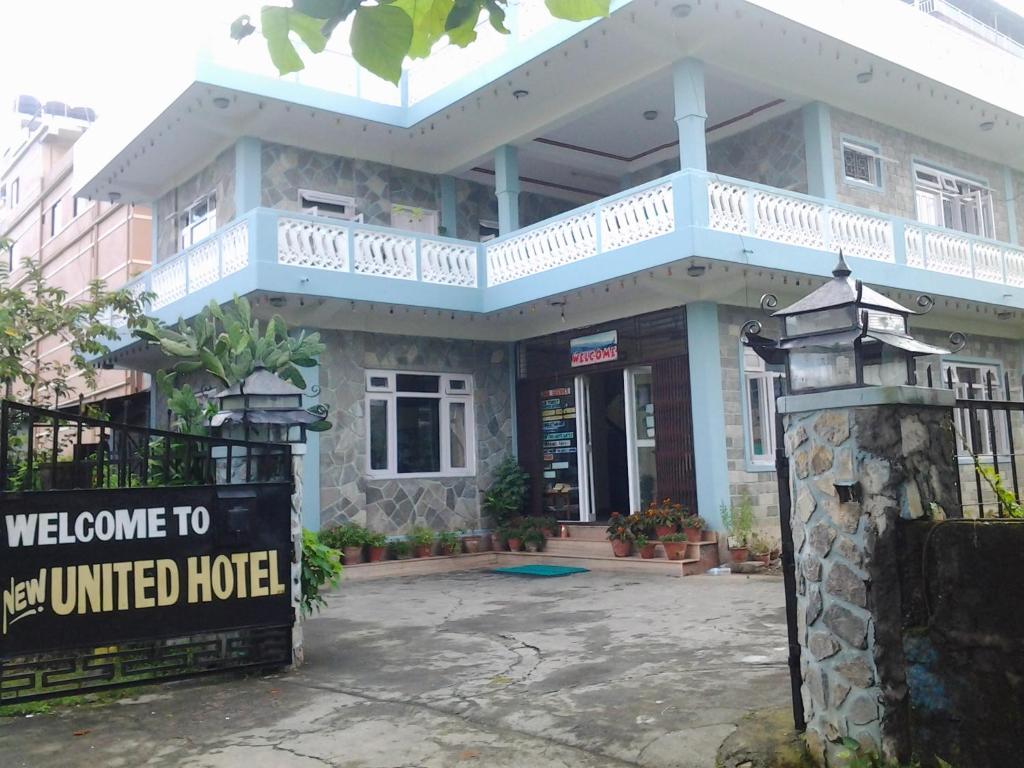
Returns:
(263, 407)
(865, 448)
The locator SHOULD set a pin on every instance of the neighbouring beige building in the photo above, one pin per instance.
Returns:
(78, 240)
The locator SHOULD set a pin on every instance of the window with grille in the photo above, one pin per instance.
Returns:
(861, 164)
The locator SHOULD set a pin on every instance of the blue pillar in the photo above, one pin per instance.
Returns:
(248, 174)
(449, 209)
(708, 407)
(821, 165)
(154, 232)
(506, 187)
(1011, 206)
(691, 113)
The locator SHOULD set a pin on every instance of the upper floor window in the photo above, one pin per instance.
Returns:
(328, 204)
(758, 408)
(55, 217)
(419, 423)
(861, 164)
(79, 205)
(3, 195)
(946, 200)
(199, 220)
(15, 192)
(414, 219)
(977, 430)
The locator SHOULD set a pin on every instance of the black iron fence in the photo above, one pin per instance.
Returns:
(988, 422)
(44, 450)
(130, 555)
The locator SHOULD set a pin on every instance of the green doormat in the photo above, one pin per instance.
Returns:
(541, 570)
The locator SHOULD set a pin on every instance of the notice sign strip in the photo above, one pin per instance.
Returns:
(98, 567)
(599, 348)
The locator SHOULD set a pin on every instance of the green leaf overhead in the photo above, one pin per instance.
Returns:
(381, 37)
(277, 24)
(578, 10)
(428, 23)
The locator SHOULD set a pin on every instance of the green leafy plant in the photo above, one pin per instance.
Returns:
(619, 528)
(384, 33)
(1008, 503)
(855, 756)
(450, 541)
(376, 540)
(673, 537)
(506, 496)
(421, 536)
(641, 540)
(738, 520)
(694, 521)
(347, 535)
(321, 564)
(33, 309)
(400, 548)
(533, 537)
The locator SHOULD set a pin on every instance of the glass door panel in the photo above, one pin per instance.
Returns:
(640, 448)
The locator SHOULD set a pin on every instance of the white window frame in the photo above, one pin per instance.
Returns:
(55, 218)
(753, 368)
(875, 164)
(310, 201)
(447, 397)
(945, 190)
(194, 227)
(980, 392)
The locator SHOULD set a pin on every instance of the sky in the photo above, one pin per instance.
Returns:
(97, 52)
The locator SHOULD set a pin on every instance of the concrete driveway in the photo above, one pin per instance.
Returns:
(467, 669)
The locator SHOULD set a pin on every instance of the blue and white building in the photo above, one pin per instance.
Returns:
(461, 239)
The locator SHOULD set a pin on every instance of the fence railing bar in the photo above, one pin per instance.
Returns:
(29, 453)
(975, 428)
(54, 447)
(1007, 413)
(5, 426)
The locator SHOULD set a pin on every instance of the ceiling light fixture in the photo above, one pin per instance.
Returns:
(682, 10)
(865, 77)
(696, 270)
(651, 114)
(520, 93)
(988, 125)
(114, 196)
(221, 102)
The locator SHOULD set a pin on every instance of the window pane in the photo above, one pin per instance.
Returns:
(457, 427)
(644, 404)
(410, 382)
(757, 417)
(419, 433)
(378, 434)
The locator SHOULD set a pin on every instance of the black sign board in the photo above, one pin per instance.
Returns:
(91, 568)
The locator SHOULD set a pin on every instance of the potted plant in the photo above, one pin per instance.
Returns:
(762, 548)
(534, 540)
(514, 537)
(645, 546)
(675, 545)
(472, 542)
(738, 520)
(401, 549)
(422, 539)
(665, 516)
(620, 534)
(451, 542)
(377, 543)
(693, 527)
(349, 538)
(499, 538)
(506, 496)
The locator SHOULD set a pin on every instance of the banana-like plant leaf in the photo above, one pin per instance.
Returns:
(578, 10)
(380, 39)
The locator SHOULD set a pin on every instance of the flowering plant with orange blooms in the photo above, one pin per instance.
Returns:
(620, 528)
(665, 512)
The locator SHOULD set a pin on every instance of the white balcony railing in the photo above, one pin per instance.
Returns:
(689, 200)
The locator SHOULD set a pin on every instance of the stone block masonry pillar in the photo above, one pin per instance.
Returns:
(860, 459)
(298, 458)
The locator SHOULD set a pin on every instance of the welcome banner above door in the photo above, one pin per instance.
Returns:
(599, 348)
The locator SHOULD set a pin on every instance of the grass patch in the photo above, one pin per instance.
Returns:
(59, 704)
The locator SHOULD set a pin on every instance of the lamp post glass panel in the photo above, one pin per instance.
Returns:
(842, 335)
(265, 408)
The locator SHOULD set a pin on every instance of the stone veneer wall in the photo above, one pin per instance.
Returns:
(376, 186)
(219, 177)
(769, 153)
(897, 194)
(394, 506)
(847, 558)
(760, 487)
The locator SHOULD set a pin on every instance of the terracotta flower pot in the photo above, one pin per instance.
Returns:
(455, 549)
(514, 545)
(422, 550)
(739, 554)
(664, 530)
(472, 544)
(353, 555)
(377, 554)
(498, 544)
(674, 550)
(647, 551)
(621, 548)
(693, 535)
(764, 557)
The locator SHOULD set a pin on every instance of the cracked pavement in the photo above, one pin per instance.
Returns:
(467, 669)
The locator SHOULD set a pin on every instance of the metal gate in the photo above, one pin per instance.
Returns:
(131, 555)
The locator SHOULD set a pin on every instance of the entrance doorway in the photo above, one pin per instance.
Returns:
(615, 431)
